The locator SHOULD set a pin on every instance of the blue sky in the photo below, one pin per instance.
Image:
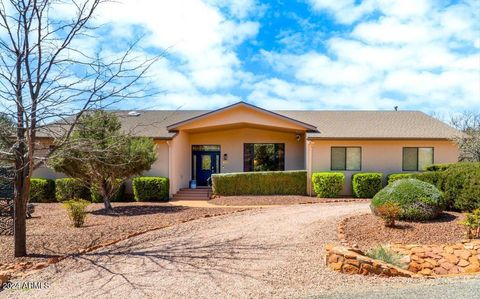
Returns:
(306, 54)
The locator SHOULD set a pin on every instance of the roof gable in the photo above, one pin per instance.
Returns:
(241, 113)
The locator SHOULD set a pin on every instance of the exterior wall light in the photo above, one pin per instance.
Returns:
(225, 157)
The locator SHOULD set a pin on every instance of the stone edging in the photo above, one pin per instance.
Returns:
(17, 270)
(429, 260)
(353, 261)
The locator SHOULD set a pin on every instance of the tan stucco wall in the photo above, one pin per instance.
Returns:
(231, 143)
(379, 155)
(159, 168)
(180, 156)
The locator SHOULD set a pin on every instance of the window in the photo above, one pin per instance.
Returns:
(346, 158)
(263, 157)
(417, 158)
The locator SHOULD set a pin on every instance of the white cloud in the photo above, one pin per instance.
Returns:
(392, 30)
(199, 36)
(416, 55)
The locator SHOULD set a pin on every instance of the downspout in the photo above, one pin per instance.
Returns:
(170, 176)
(309, 167)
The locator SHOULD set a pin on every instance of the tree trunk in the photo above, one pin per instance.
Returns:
(106, 198)
(20, 212)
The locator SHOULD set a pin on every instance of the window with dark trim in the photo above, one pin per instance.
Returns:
(417, 158)
(263, 157)
(346, 158)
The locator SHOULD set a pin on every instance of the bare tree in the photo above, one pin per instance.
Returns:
(45, 78)
(469, 145)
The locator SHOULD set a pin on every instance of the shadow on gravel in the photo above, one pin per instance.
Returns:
(139, 210)
(134, 262)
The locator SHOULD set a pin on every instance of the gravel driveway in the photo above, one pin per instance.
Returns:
(275, 252)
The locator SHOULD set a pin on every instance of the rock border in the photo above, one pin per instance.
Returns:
(23, 269)
(353, 261)
(432, 261)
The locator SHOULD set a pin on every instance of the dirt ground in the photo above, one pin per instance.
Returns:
(50, 234)
(367, 231)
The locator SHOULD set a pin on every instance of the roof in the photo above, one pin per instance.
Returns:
(330, 124)
(308, 127)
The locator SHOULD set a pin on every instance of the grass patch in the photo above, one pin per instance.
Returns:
(384, 253)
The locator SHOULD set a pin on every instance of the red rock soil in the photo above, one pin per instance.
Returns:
(49, 232)
(368, 231)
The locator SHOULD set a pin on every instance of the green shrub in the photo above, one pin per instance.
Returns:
(260, 183)
(66, 189)
(418, 200)
(118, 196)
(389, 212)
(328, 184)
(435, 178)
(384, 253)
(462, 186)
(366, 185)
(76, 211)
(42, 190)
(472, 224)
(150, 188)
(398, 176)
(439, 167)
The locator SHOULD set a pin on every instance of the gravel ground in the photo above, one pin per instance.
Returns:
(49, 232)
(367, 231)
(446, 288)
(275, 252)
(275, 200)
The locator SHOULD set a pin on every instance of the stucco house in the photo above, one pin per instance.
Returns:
(193, 144)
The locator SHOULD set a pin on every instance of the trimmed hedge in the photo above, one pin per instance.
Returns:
(366, 185)
(439, 167)
(42, 190)
(118, 196)
(260, 183)
(462, 186)
(328, 184)
(67, 189)
(435, 178)
(418, 200)
(398, 176)
(151, 188)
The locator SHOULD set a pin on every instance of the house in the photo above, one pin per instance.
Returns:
(243, 137)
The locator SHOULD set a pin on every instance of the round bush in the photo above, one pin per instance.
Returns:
(462, 186)
(418, 200)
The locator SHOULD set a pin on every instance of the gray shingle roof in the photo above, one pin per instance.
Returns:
(330, 124)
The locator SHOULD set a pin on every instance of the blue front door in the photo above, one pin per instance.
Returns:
(204, 164)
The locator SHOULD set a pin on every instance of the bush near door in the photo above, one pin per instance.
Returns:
(42, 190)
(150, 188)
(260, 183)
(67, 189)
(327, 184)
(366, 185)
